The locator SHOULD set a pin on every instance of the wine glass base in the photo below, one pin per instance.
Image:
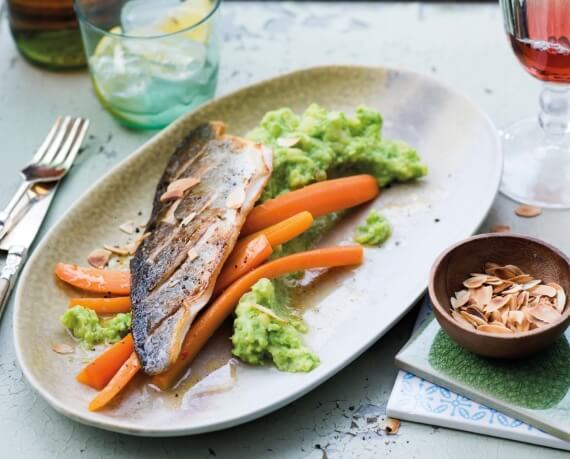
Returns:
(536, 169)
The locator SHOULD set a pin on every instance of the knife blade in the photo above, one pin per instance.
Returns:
(18, 241)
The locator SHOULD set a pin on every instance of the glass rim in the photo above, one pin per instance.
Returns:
(83, 19)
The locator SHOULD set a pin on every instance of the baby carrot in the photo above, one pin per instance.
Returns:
(104, 305)
(319, 199)
(242, 260)
(95, 280)
(213, 317)
(99, 372)
(127, 371)
(284, 231)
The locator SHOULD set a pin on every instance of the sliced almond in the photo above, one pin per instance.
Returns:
(99, 258)
(391, 426)
(490, 266)
(462, 297)
(494, 327)
(515, 288)
(545, 290)
(128, 227)
(560, 296)
(500, 229)
(461, 320)
(62, 348)
(192, 254)
(522, 278)
(269, 312)
(527, 211)
(475, 281)
(494, 281)
(531, 284)
(482, 295)
(473, 319)
(236, 198)
(502, 287)
(516, 318)
(287, 142)
(186, 220)
(522, 299)
(497, 303)
(545, 313)
(171, 195)
(119, 250)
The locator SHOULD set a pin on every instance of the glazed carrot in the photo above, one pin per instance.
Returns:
(104, 305)
(318, 199)
(127, 371)
(283, 231)
(99, 372)
(95, 280)
(213, 317)
(242, 260)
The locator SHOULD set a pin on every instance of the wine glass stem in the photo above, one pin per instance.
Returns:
(554, 116)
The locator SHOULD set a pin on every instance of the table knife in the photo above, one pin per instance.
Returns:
(18, 241)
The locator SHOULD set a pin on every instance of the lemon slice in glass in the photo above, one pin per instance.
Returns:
(107, 43)
(186, 15)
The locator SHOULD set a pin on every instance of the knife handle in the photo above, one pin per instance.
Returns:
(14, 261)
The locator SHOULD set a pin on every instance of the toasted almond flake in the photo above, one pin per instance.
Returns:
(494, 281)
(560, 296)
(522, 299)
(516, 318)
(236, 198)
(500, 288)
(475, 282)
(269, 312)
(482, 295)
(462, 297)
(453, 302)
(515, 288)
(461, 320)
(545, 313)
(62, 348)
(494, 327)
(287, 142)
(177, 188)
(188, 218)
(128, 227)
(521, 278)
(99, 258)
(531, 284)
(500, 229)
(192, 254)
(545, 290)
(527, 211)
(171, 195)
(473, 319)
(497, 303)
(119, 250)
(490, 266)
(496, 316)
(391, 426)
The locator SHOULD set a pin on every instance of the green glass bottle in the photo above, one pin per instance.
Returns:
(46, 33)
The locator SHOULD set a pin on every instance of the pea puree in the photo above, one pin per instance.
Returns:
(375, 230)
(322, 144)
(265, 330)
(84, 324)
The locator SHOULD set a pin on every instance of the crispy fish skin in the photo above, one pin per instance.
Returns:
(175, 268)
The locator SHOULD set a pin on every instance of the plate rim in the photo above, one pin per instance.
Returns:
(115, 425)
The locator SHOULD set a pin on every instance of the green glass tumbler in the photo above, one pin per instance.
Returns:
(151, 61)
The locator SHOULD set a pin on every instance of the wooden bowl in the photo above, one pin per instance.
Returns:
(535, 257)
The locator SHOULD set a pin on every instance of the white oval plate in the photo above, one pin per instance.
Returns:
(455, 139)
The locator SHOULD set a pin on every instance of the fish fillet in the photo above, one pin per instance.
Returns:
(209, 186)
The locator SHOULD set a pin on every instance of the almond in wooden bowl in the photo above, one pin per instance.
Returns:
(490, 328)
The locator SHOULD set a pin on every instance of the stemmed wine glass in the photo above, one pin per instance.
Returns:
(537, 150)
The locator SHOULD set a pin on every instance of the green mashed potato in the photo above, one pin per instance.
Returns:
(322, 144)
(84, 324)
(315, 146)
(266, 330)
(375, 230)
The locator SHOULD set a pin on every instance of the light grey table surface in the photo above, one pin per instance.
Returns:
(463, 45)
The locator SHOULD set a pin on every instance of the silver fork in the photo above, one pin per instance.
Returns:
(51, 162)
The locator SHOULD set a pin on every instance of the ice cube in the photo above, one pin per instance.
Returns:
(141, 15)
